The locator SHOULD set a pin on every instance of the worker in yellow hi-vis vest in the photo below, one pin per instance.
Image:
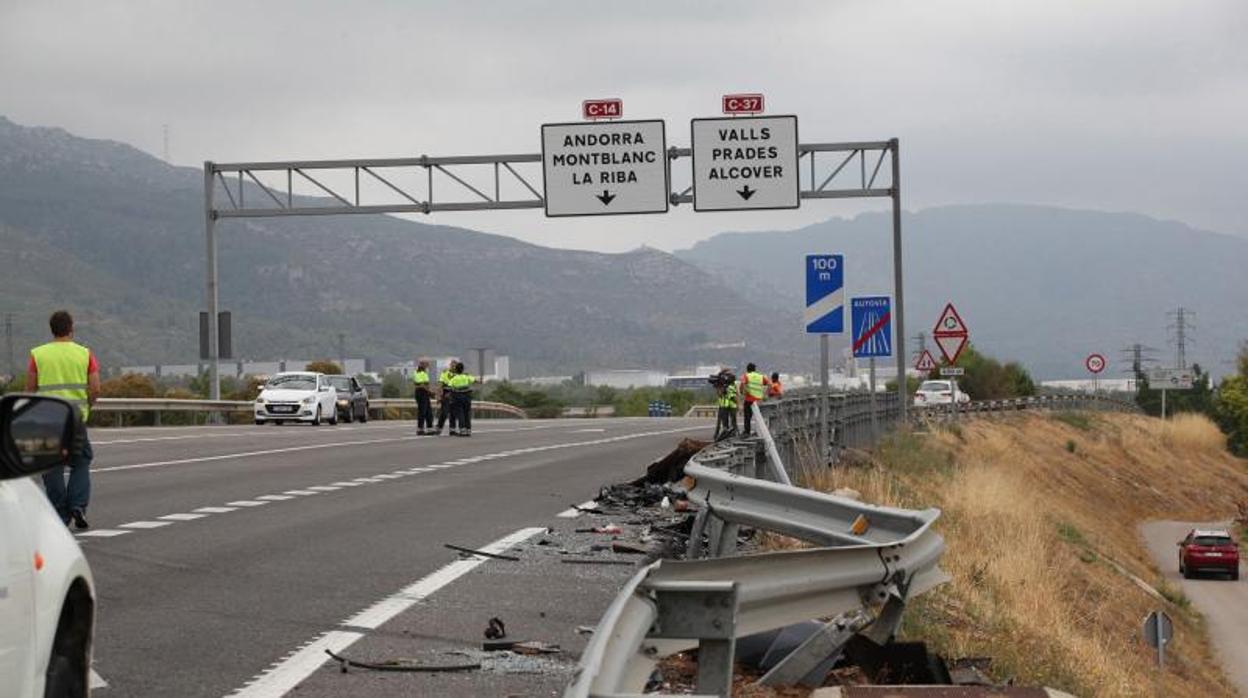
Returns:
(424, 399)
(65, 369)
(461, 396)
(754, 387)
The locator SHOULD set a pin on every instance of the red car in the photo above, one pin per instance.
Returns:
(1208, 551)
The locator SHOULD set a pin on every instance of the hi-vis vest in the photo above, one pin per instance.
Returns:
(62, 370)
(729, 398)
(754, 386)
(461, 382)
(421, 379)
(776, 389)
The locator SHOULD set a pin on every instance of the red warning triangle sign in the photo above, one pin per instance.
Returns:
(951, 346)
(950, 323)
(926, 362)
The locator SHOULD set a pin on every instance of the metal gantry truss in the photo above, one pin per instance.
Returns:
(427, 185)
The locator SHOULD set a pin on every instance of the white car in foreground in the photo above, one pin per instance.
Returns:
(939, 393)
(47, 594)
(297, 397)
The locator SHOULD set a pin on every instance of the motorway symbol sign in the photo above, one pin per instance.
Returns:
(1171, 378)
(926, 362)
(743, 104)
(605, 168)
(952, 371)
(593, 109)
(745, 164)
(950, 334)
(825, 294)
(873, 334)
(1095, 363)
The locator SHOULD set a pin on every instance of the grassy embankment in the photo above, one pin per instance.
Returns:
(1040, 520)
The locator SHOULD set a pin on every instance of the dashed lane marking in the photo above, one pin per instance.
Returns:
(247, 503)
(146, 524)
(214, 510)
(573, 512)
(103, 533)
(181, 517)
(276, 497)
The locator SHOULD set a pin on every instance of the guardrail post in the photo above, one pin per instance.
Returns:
(706, 611)
(156, 420)
(693, 550)
(825, 644)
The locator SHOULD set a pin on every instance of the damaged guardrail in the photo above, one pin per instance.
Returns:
(873, 559)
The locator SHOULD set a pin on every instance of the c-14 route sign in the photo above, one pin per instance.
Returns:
(745, 163)
(605, 168)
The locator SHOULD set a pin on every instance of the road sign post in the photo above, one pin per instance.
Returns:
(824, 315)
(745, 163)
(1158, 631)
(925, 362)
(951, 335)
(1095, 363)
(1164, 379)
(605, 168)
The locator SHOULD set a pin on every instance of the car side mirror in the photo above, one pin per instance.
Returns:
(36, 433)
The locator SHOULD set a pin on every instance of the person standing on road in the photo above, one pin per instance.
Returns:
(754, 385)
(65, 369)
(726, 396)
(446, 407)
(424, 404)
(461, 395)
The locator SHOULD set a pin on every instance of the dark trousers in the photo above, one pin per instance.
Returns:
(726, 424)
(446, 408)
(424, 410)
(77, 494)
(463, 405)
(749, 415)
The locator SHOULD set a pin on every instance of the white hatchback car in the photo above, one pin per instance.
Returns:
(47, 594)
(939, 392)
(297, 397)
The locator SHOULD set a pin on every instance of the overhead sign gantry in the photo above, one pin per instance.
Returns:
(584, 169)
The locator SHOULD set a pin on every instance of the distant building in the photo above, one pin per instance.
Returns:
(624, 378)
(544, 381)
(239, 368)
(1086, 385)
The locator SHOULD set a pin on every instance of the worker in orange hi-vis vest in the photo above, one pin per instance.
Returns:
(775, 389)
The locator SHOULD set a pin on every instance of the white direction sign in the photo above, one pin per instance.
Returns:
(605, 168)
(745, 163)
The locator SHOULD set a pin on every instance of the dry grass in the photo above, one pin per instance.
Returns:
(1028, 524)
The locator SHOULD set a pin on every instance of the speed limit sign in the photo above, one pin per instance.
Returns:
(1095, 363)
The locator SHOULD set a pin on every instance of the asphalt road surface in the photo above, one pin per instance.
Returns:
(1224, 603)
(221, 552)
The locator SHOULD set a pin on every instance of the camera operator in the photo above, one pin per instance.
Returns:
(725, 384)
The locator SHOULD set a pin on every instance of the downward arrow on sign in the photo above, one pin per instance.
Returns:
(606, 197)
(746, 192)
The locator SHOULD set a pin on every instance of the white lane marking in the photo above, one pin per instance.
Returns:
(102, 533)
(324, 488)
(300, 493)
(249, 454)
(586, 431)
(283, 676)
(276, 497)
(269, 433)
(420, 470)
(385, 476)
(374, 616)
(215, 510)
(181, 517)
(146, 524)
(577, 510)
(96, 681)
(345, 483)
(246, 503)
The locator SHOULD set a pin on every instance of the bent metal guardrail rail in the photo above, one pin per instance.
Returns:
(871, 561)
(159, 405)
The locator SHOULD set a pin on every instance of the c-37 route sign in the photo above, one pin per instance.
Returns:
(745, 163)
(605, 168)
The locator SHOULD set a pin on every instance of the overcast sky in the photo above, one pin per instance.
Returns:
(1125, 105)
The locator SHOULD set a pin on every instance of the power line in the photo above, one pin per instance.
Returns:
(1137, 355)
(8, 343)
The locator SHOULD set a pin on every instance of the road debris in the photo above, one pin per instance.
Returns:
(610, 529)
(593, 561)
(482, 553)
(398, 665)
(618, 547)
(495, 629)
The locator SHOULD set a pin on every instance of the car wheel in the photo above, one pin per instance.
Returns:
(69, 666)
(316, 419)
(333, 416)
(364, 414)
(349, 415)
(259, 422)
(1235, 575)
